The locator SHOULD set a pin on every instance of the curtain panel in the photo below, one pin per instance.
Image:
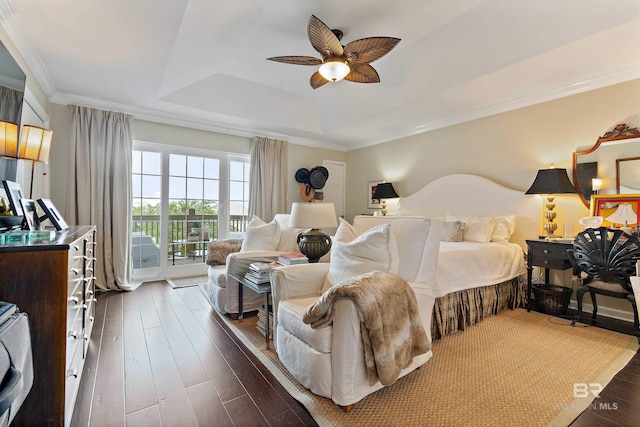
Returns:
(268, 178)
(99, 189)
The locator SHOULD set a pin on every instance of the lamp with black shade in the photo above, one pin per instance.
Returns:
(550, 182)
(383, 192)
(314, 244)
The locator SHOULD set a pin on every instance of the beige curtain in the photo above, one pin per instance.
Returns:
(99, 189)
(268, 178)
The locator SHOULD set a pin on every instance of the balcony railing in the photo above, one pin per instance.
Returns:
(179, 227)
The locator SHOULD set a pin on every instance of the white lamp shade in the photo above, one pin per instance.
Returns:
(35, 143)
(8, 139)
(334, 70)
(313, 215)
(623, 215)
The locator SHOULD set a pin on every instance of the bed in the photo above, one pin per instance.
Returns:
(476, 279)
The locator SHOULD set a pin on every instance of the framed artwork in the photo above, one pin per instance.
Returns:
(371, 187)
(606, 204)
(30, 214)
(52, 214)
(14, 194)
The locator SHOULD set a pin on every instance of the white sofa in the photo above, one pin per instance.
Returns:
(329, 361)
(223, 290)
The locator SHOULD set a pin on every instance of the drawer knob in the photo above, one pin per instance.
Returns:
(85, 337)
(91, 318)
(75, 271)
(546, 251)
(72, 334)
(72, 373)
(546, 261)
(74, 300)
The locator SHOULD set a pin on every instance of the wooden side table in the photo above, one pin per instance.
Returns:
(259, 289)
(550, 254)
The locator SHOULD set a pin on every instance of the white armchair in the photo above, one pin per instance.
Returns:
(223, 290)
(329, 360)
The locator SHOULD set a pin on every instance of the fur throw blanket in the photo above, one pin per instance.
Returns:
(220, 249)
(391, 328)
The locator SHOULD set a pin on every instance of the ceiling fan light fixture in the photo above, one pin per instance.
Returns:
(334, 70)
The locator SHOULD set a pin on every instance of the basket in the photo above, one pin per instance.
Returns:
(552, 299)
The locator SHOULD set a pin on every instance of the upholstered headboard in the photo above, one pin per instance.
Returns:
(464, 194)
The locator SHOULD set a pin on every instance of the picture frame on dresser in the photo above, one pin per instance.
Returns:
(51, 213)
(14, 194)
(31, 220)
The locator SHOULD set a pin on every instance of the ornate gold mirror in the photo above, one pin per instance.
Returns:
(615, 159)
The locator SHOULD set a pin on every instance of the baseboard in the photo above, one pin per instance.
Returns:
(613, 313)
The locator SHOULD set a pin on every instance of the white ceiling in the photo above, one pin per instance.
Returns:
(202, 63)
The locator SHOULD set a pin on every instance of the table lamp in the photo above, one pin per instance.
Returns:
(624, 215)
(383, 192)
(314, 244)
(550, 182)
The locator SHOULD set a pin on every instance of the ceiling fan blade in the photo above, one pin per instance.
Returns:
(363, 74)
(369, 49)
(323, 39)
(297, 60)
(317, 80)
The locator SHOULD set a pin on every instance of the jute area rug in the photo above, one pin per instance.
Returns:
(184, 282)
(513, 369)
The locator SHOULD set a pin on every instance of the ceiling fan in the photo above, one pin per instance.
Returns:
(350, 62)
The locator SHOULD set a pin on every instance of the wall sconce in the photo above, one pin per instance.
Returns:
(550, 182)
(596, 185)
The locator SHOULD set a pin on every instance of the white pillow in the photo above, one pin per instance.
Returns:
(504, 228)
(261, 236)
(375, 249)
(476, 228)
(452, 231)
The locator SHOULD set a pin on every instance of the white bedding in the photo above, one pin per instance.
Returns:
(466, 265)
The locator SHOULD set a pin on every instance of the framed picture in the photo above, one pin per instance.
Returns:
(52, 214)
(373, 203)
(605, 205)
(14, 194)
(30, 214)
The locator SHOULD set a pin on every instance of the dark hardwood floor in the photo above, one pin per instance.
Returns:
(162, 356)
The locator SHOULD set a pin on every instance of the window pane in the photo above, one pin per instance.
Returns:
(236, 171)
(212, 168)
(151, 162)
(194, 188)
(136, 185)
(150, 186)
(194, 166)
(136, 162)
(177, 165)
(211, 189)
(177, 188)
(236, 190)
(247, 169)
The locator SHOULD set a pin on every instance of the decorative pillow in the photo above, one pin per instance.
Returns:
(504, 228)
(476, 228)
(261, 236)
(375, 249)
(452, 231)
(220, 249)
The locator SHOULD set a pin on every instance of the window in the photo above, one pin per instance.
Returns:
(182, 199)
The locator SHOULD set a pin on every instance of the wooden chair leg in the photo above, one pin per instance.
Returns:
(234, 316)
(347, 408)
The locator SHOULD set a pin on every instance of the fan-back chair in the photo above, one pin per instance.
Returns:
(607, 257)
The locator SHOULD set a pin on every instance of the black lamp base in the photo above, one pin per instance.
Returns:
(314, 244)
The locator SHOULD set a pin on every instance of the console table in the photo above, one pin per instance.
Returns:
(53, 282)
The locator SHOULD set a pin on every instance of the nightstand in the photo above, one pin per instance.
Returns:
(549, 254)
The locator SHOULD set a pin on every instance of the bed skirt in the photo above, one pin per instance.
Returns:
(454, 312)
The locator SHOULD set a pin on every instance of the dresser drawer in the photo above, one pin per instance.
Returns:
(549, 251)
(74, 332)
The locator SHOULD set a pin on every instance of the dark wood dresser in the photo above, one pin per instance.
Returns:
(54, 284)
